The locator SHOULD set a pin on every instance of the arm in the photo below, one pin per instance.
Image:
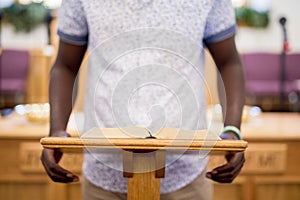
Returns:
(229, 65)
(62, 78)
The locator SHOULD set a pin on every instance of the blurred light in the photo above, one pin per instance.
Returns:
(52, 4)
(37, 1)
(238, 3)
(25, 1)
(218, 109)
(20, 109)
(255, 111)
(29, 1)
(48, 50)
(6, 3)
(260, 5)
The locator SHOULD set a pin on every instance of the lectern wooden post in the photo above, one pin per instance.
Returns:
(143, 159)
(143, 171)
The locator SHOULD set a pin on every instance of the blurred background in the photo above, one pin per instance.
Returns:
(268, 39)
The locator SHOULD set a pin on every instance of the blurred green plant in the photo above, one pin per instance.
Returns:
(246, 16)
(26, 17)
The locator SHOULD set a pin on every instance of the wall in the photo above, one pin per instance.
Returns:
(270, 39)
(36, 39)
(248, 39)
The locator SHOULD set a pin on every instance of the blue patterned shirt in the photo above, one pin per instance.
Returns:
(145, 68)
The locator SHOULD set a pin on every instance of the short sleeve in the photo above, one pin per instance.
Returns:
(72, 23)
(220, 23)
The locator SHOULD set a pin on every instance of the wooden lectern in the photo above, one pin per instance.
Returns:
(143, 158)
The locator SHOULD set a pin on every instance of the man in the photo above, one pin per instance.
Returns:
(94, 24)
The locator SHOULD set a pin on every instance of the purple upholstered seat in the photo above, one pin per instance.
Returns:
(263, 76)
(14, 68)
(262, 71)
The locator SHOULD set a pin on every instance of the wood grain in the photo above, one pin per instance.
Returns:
(143, 144)
(144, 185)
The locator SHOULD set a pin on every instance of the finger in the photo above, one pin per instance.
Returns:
(225, 177)
(239, 158)
(235, 159)
(224, 168)
(56, 172)
(60, 179)
(228, 175)
(59, 174)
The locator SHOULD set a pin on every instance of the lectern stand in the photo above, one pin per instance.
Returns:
(143, 159)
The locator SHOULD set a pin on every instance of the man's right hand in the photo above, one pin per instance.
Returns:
(50, 159)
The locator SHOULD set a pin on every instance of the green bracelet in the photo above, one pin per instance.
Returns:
(233, 129)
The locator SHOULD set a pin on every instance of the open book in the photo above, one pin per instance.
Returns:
(142, 132)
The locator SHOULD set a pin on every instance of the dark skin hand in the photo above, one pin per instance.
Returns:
(50, 159)
(62, 79)
(235, 161)
(229, 65)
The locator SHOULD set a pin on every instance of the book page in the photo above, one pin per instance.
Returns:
(142, 132)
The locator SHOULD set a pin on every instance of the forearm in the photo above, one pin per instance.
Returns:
(233, 99)
(231, 83)
(62, 78)
(60, 97)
